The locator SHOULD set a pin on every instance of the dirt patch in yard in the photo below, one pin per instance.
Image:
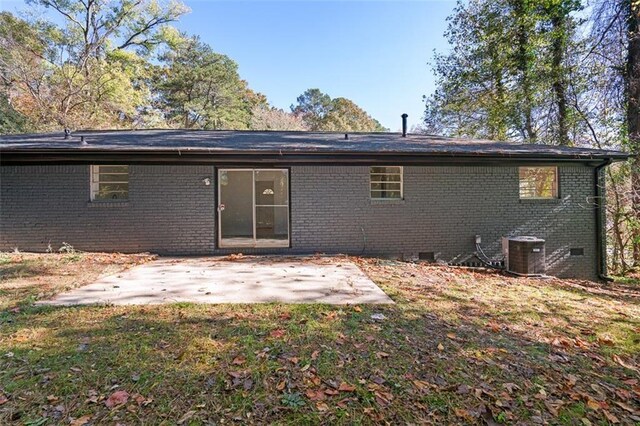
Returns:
(458, 347)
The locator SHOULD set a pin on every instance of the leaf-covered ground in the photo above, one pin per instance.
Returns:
(458, 347)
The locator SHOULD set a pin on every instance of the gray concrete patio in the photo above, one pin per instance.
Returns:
(214, 280)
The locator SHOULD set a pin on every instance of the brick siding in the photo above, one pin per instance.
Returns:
(171, 211)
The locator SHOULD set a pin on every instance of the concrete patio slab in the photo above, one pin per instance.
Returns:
(214, 280)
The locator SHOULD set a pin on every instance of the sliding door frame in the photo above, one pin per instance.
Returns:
(217, 198)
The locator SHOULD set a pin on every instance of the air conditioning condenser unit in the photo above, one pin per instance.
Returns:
(524, 255)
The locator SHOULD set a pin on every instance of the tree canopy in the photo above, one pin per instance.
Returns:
(509, 72)
(199, 88)
(321, 113)
(120, 64)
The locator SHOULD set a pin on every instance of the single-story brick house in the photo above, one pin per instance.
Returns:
(181, 192)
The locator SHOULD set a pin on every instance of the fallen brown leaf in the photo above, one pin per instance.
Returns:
(278, 333)
(613, 419)
(421, 384)
(383, 398)
(81, 421)
(345, 387)
(117, 398)
(510, 387)
(321, 406)
(593, 404)
(141, 400)
(606, 340)
(315, 395)
(626, 407)
(285, 316)
(625, 364)
(186, 417)
(239, 360)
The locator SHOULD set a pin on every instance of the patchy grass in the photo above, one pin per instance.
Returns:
(27, 277)
(459, 346)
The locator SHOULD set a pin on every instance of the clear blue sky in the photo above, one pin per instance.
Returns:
(372, 52)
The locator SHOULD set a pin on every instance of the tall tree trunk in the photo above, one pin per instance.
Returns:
(523, 64)
(633, 116)
(559, 24)
(497, 122)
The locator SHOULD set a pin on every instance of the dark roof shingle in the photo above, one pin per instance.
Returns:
(220, 142)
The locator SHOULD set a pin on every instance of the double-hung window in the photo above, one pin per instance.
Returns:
(109, 183)
(538, 182)
(386, 182)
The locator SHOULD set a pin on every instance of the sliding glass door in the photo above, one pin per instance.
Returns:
(253, 208)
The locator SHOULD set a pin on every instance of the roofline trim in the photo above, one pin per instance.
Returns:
(84, 150)
(208, 157)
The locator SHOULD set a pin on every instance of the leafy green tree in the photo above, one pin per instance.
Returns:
(313, 106)
(86, 72)
(321, 113)
(471, 95)
(199, 88)
(508, 73)
(11, 121)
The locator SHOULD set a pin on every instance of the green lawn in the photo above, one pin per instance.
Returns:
(458, 347)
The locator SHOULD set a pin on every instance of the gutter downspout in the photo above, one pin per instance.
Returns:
(601, 248)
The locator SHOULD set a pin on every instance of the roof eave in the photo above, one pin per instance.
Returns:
(85, 156)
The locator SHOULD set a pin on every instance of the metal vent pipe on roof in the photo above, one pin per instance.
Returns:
(404, 125)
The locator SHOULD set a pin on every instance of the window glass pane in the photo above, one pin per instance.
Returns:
(386, 178)
(109, 182)
(390, 185)
(386, 182)
(113, 178)
(378, 170)
(111, 196)
(235, 194)
(386, 194)
(538, 182)
(114, 169)
(272, 187)
(102, 187)
(272, 222)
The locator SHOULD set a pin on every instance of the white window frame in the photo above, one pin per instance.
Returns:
(555, 189)
(94, 181)
(372, 182)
